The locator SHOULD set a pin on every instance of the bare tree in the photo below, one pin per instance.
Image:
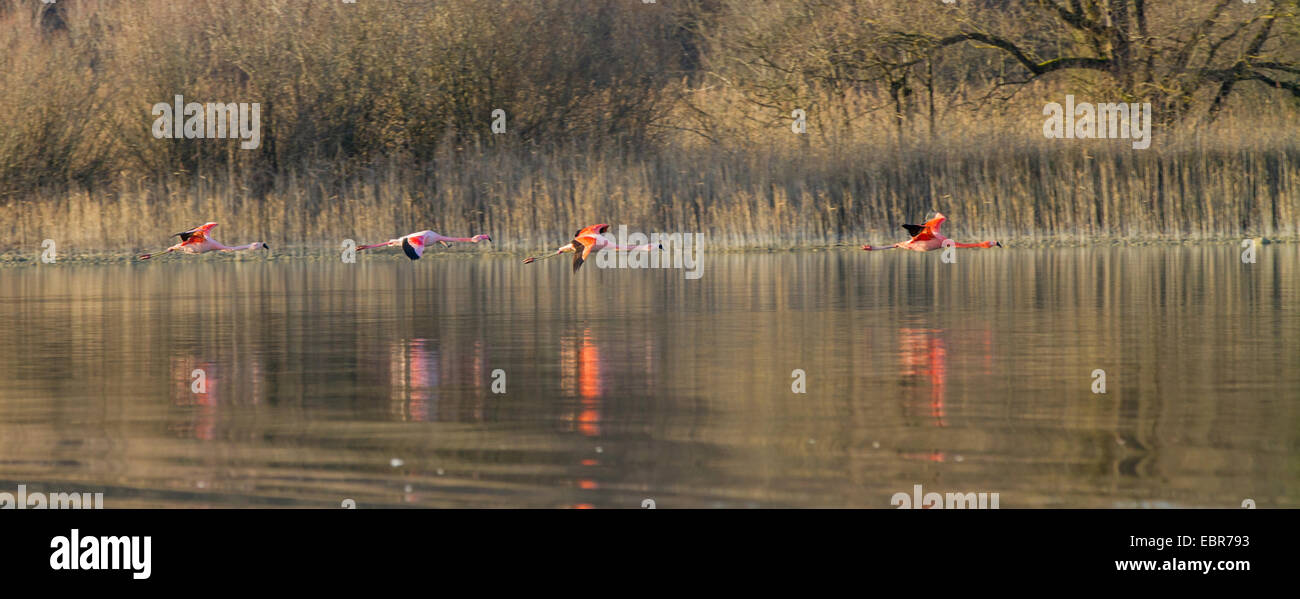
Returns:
(1181, 55)
(1169, 57)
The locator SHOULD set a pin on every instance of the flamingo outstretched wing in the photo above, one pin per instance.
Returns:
(197, 233)
(927, 231)
(592, 230)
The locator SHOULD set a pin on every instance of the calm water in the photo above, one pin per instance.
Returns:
(373, 381)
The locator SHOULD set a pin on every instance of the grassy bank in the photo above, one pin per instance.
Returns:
(988, 187)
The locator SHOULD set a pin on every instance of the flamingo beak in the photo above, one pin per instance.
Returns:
(265, 246)
(997, 243)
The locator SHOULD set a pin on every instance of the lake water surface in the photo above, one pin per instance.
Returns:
(324, 381)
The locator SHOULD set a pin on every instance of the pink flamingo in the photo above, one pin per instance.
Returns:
(926, 237)
(415, 243)
(196, 241)
(589, 240)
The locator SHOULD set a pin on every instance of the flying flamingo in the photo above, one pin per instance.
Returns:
(415, 243)
(196, 241)
(589, 240)
(927, 237)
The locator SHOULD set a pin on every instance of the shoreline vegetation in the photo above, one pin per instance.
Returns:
(325, 252)
(376, 122)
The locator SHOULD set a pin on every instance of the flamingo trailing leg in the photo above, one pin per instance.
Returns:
(927, 237)
(413, 245)
(589, 240)
(196, 241)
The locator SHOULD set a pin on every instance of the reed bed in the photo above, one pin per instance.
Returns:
(1039, 191)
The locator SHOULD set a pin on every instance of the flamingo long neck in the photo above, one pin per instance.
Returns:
(982, 244)
(251, 246)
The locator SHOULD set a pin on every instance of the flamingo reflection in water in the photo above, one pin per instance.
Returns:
(584, 374)
(925, 354)
(581, 376)
(414, 377)
(202, 394)
(418, 370)
(201, 384)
